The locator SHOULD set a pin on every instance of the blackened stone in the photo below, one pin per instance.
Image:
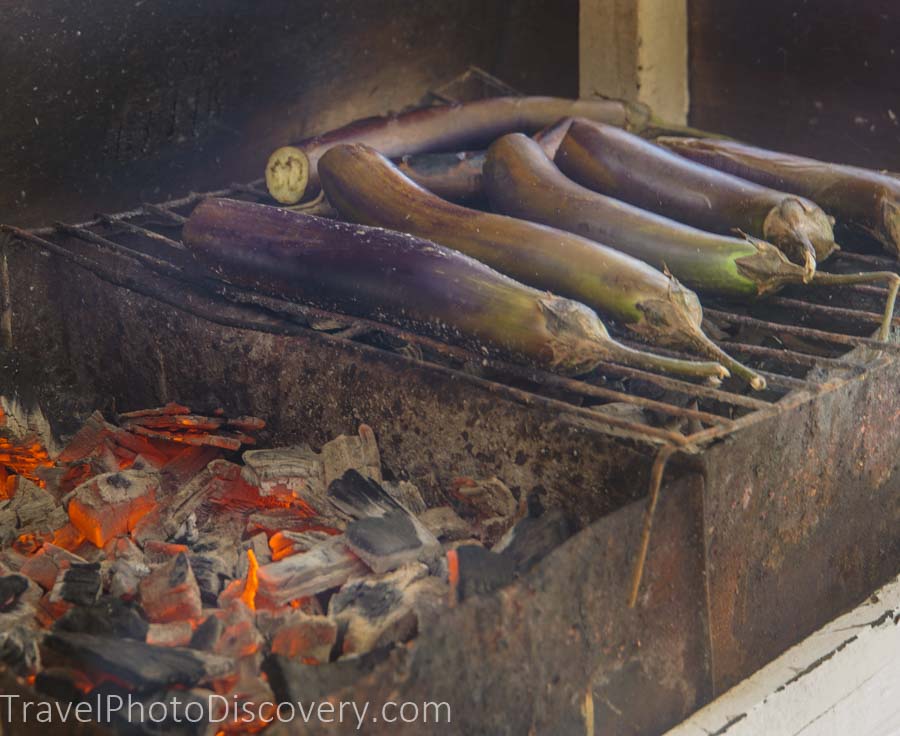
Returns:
(81, 584)
(11, 587)
(532, 539)
(386, 542)
(293, 681)
(481, 571)
(207, 634)
(61, 683)
(19, 650)
(110, 616)
(358, 496)
(143, 667)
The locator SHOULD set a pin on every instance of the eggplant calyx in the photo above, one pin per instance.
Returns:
(287, 174)
(769, 269)
(800, 229)
(580, 341)
(667, 320)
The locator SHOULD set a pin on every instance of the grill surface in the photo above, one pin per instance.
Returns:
(779, 513)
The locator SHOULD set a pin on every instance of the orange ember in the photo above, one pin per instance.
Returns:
(252, 583)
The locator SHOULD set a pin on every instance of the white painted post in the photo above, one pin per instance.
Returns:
(636, 50)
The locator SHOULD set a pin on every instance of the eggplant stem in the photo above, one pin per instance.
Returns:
(892, 280)
(709, 348)
(714, 371)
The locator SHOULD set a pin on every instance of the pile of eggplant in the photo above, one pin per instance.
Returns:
(513, 252)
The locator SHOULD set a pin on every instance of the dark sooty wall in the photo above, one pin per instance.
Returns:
(108, 103)
(817, 77)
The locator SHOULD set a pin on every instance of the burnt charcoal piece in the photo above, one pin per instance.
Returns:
(359, 453)
(31, 510)
(358, 496)
(310, 638)
(111, 504)
(80, 584)
(376, 611)
(187, 714)
(19, 649)
(211, 573)
(143, 667)
(170, 592)
(476, 571)
(11, 587)
(294, 681)
(109, 616)
(62, 683)
(207, 634)
(387, 542)
(446, 524)
(325, 566)
(532, 539)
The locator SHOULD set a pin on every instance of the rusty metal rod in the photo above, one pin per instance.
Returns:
(828, 310)
(656, 474)
(835, 337)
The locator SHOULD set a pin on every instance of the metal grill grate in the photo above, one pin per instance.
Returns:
(791, 339)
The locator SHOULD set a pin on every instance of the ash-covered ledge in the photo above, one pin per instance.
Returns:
(843, 679)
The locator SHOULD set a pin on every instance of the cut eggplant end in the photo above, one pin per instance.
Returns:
(287, 174)
(887, 277)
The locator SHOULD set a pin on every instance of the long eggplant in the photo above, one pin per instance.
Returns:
(520, 180)
(292, 171)
(408, 282)
(453, 176)
(624, 166)
(366, 187)
(857, 197)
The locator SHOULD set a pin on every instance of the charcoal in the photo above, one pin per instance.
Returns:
(11, 588)
(259, 543)
(170, 592)
(111, 504)
(310, 638)
(207, 634)
(172, 634)
(212, 570)
(187, 713)
(387, 542)
(325, 566)
(79, 584)
(143, 667)
(352, 453)
(44, 566)
(445, 524)
(184, 501)
(32, 510)
(376, 611)
(19, 649)
(87, 440)
(286, 471)
(186, 466)
(110, 616)
(294, 681)
(240, 637)
(532, 539)
(293, 519)
(285, 543)
(493, 505)
(62, 683)
(406, 494)
(477, 571)
(125, 577)
(357, 496)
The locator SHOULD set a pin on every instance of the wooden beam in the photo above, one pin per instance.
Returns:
(636, 50)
